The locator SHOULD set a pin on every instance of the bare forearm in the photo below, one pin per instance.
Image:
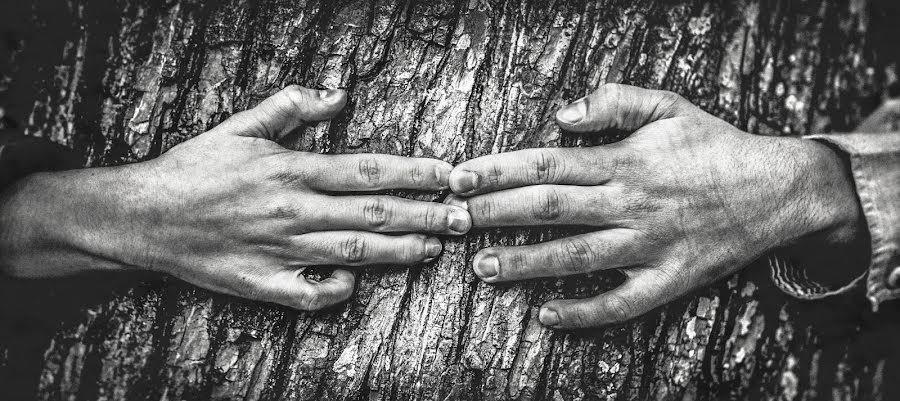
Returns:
(56, 224)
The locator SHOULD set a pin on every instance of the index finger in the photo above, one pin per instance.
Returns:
(375, 172)
(571, 166)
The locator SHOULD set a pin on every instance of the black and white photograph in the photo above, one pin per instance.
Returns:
(385, 200)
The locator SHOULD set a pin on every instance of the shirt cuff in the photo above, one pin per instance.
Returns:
(790, 276)
(874, 160)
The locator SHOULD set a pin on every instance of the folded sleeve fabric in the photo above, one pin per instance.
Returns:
(874, 160)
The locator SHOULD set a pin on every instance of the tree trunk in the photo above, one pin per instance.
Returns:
(122, 81)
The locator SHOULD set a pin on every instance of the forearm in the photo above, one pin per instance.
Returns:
(61, 223)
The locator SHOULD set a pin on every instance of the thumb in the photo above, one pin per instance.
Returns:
(284, 111)
(624, 107)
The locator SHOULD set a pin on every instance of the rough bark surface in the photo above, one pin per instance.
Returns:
(123, 81)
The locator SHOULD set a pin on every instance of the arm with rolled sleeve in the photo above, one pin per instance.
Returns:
(874, 161)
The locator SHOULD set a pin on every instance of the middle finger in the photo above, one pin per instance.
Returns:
(387, 214)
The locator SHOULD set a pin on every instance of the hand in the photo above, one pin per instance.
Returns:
(234, 212)
(685, 200)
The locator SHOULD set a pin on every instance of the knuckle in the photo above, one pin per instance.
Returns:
(296, 96)
(435, 218)
(670, 104)
(547, 204)
(370, 171)
(612, 89)
(544, 167)
(494, 176)
(260, 122)
(286, 209)
(414, 251)
(575, 255)
(284, 213)
(482, 209)
(287, 178)
(580, 318)
(678, 274)
(619, 308)
(417, 175)
(353, 250)
(638, 203)
(309, 300)
(518, 264)
(377, 213)
(621, 161)
(669, 98)
(613, 94)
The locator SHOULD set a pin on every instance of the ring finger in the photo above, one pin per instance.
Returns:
(359, 248)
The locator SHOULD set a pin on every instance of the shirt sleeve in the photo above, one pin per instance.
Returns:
(874, 160)
(21, 155)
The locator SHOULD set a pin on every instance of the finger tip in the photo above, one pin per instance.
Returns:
(442, 172)
(568, 117)
(334, 98)
(459, 221)
(486, 266)
(559, 118)
(463, 181)
(433, 248)
(344, 277)
(453, 180)
(548, 316)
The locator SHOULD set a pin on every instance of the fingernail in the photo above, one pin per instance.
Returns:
(573, 113)
(464, 181)
(457, 201)
(329, 95)
(458, 221)
(433, 248)
(548, 317)
(442, 173)
(487, 267)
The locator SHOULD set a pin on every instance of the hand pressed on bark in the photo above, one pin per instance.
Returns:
(685, 200)
(232, 211)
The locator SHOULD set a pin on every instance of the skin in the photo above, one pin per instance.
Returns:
(685, 200)
(234, 212)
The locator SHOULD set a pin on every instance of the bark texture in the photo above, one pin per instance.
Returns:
(122, 81)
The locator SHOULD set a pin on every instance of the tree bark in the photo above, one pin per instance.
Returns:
(122, 81)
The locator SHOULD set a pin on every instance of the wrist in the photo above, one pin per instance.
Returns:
(56, 224)
(831, 202)
(825, 227)
(818, 221)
